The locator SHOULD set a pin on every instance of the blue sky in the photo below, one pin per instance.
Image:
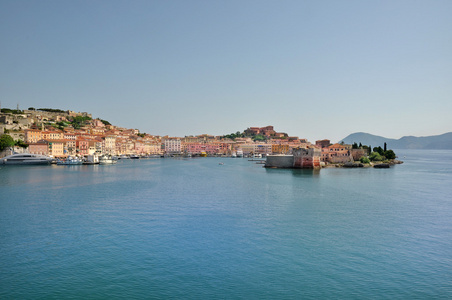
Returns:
(314, 69)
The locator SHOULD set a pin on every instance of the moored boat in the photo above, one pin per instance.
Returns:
(70, 161)
(91, 160)
(107, 160)
(26, 159)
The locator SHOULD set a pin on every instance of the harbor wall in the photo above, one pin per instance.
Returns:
(302, 158)
(279, 161)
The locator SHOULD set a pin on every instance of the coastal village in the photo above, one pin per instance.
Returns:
(62, 134)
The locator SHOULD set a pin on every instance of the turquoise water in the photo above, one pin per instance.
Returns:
(194, 229)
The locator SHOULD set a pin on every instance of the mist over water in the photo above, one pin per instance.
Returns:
(176, 228)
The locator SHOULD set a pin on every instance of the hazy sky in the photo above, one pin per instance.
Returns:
(314, 69)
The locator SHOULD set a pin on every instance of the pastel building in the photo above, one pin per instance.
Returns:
(110, 144)
(173, 146)
(337, 153)
(82, 146)
(280, 148)
(70, 136)
(256, 148)
(71, 147)
(52, 135)
(32, 136)
(40, 147)
(198, 148)
(55, 148)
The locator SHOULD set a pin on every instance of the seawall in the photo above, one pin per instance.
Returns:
(302, 158)
(279, 161)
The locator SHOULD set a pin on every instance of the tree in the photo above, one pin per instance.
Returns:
(384, 147)
(390, 154)
(78, 121)
(355, 145)
(6, 141)
(364, 160)
(233, 136)
(379, 150)
(375, 156)
(105, 122)
(20, 143)
(259, 138)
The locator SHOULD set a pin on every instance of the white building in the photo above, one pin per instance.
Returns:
(110, 144)
(173, 146)
(256, 148)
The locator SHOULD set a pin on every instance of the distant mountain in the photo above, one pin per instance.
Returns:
(443, 141)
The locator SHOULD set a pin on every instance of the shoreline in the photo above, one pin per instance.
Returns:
(357, 164)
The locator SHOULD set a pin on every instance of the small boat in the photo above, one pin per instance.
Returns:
(26, 159)
(134, 157)
(70, 161)
(107, 160)
(91, 160)
(221, 164)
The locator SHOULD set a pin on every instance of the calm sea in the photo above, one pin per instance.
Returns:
(195, 229)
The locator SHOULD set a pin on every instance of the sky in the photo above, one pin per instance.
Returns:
(313, 69)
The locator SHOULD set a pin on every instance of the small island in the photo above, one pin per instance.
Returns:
(378, 158)
(327, 155)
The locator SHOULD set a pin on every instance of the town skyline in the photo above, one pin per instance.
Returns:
(63, 135)
(208, 133)
(314, 69)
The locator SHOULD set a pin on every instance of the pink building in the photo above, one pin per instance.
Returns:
(41, 147)
(82, 146)
(197, 148)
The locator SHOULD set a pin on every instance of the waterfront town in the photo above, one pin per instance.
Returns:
(61, 134)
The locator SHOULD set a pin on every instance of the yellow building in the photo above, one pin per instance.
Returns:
(32, 136)
(56, 148)
(280, 148)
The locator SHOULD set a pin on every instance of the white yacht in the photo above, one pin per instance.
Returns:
(107, 160)
(25, 159)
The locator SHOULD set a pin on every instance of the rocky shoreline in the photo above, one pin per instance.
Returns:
(378, 165)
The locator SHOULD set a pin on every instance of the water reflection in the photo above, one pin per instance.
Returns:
(295, 172)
